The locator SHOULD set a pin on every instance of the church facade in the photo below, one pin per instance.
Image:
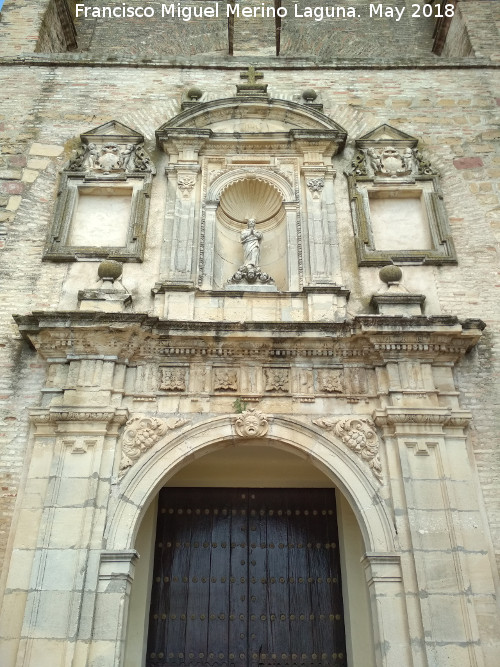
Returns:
(250, 336)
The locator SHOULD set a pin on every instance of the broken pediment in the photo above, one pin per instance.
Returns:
(251, 116)
(284, 113)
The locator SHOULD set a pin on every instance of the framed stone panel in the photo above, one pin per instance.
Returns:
(103, 200)
(397, 208)
(99, 218)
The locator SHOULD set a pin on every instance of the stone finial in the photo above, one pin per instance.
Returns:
(396, 299)
(109, 270)
(194, 94)
(309, 95)
(109, 298)
(390, 274)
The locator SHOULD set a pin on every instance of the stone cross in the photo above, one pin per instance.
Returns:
(252, 75)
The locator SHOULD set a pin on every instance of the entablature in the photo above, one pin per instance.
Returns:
(372, 339)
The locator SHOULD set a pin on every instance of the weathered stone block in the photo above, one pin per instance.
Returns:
(49, 150)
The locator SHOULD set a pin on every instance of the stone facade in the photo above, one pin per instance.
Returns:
(117, 380)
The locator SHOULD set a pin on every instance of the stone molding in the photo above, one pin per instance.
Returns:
(207, 113)
(430, 421)
(54, 415)
(382, 567)
(360, 436)
(299, 437)
(118, 565)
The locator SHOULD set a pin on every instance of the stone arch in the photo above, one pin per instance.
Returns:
(142, 483)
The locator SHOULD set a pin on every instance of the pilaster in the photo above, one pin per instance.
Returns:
(435, 506)
(323, 254)
(116, 573)
(60, 529)
(385, 586)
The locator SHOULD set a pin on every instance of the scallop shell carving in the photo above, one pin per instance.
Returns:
(251, 198)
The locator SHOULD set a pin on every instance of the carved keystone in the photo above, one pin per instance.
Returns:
(251, 424)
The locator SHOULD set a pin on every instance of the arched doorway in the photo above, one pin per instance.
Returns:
(250, 466)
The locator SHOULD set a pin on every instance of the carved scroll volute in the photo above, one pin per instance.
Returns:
(141, 434)
(361, 438)
(251, 424)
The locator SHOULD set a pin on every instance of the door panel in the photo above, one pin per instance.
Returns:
(246, 577)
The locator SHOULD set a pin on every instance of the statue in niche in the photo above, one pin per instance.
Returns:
(251, 239)
(250, 272)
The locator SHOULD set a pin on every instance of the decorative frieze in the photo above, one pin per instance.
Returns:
(360, 436)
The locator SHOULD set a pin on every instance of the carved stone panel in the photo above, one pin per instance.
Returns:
(330, 380)
(225, 379)
(251, 423)
(277, 379)
(173, 378)
(142, 433)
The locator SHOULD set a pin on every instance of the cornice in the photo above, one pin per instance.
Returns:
(263, 63)
(139, 336)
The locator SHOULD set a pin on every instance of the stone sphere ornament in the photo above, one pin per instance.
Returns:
(390, 274)
(110, 269)
(309, 95)
(194, 94)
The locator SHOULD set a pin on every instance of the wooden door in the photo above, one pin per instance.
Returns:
(246, 577)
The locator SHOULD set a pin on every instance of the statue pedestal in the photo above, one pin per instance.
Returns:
(245, 287)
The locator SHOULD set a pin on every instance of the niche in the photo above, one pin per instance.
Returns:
(250, 198)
